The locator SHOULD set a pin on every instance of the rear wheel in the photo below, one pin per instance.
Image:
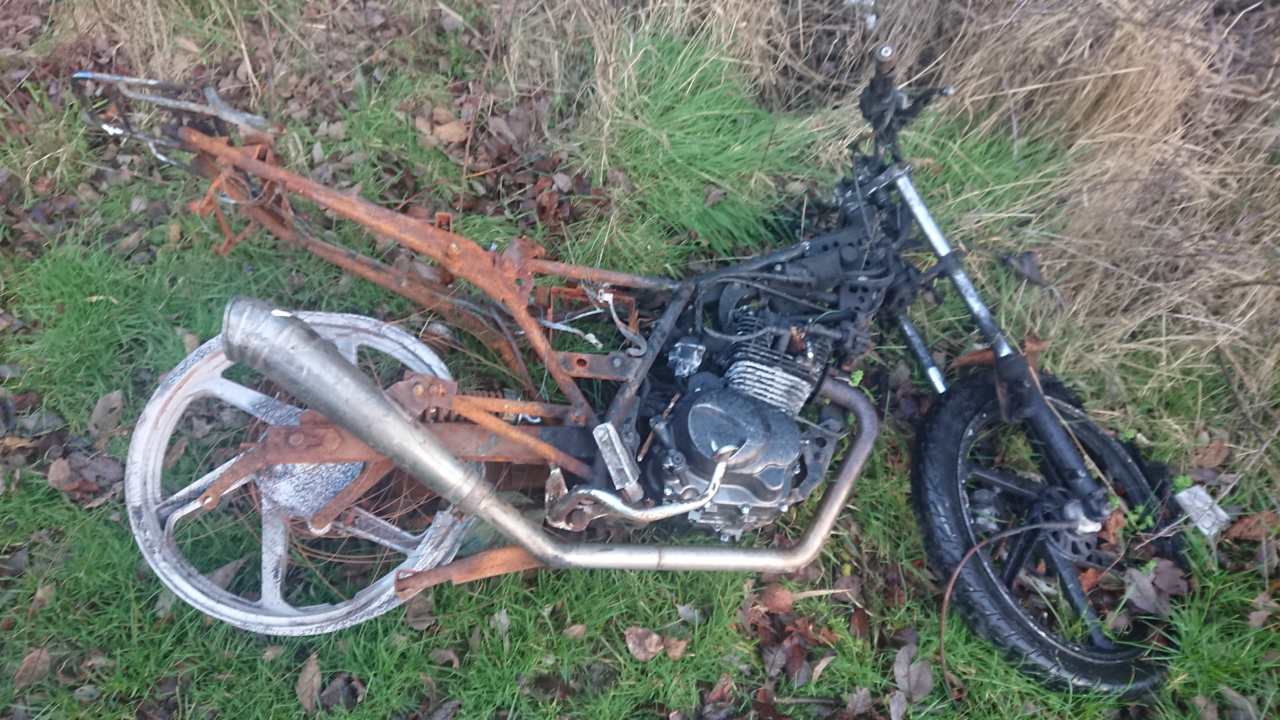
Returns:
(1053, 600)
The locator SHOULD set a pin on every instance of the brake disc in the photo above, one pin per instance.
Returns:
(283, 494)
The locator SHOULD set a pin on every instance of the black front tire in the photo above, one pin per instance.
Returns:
(986, 603)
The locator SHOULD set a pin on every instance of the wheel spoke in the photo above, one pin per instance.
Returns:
(1074, 592)
(262, 406)
(1009, 482)
(187, 500)
(358, 522)
(275, 556)
(1024, 546)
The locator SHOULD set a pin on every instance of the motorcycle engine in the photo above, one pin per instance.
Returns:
(752, 405)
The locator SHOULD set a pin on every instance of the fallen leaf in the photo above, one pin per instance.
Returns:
(860, 624)
(105, 417)
(1258, 619)
(914, 679)
(1207, 708)
(271, 652)
(40, 600)
(689, 614)
(86, 694)
(59, 475)
(1243, 708)
(859, 702)
(451, 132)
(1026, 265)
(821, 666)
(1142, 593)
(1211, 455)
(897, 705)
(675, 647)
(223, 576)
(643, 643)
(33, 668)
(576, 631)
(419, 612)
(175, 452)
(344, 690)
(712, 195)
(444, 656)
(308, 686)
(501, 621)
(445, 710)
(1169, 578)
(777, 599)
(190, 341)
(722, 691)
(1254, 528)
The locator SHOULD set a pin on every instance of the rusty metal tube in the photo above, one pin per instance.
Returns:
(293, 355)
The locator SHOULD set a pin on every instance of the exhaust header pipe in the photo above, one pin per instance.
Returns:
(291, 354)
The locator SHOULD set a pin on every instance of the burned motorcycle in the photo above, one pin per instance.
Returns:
(720, 406)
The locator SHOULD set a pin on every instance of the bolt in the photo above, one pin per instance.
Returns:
(615, 361)
(454, 249)
(437, 390)
(297, 439)
(418, 390)
(884, 52)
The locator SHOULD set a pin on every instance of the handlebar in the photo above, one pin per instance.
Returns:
(886, 107)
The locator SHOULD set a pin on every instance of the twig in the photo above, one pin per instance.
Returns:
(955, 575)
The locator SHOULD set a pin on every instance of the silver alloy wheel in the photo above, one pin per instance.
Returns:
(285, 491)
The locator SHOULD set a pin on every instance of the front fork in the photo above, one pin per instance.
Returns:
(1022, 388)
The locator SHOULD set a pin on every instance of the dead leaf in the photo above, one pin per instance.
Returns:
(223, 576)
(897, 705)
(1211, 455)
(712, 195)
(190, 342)
(442, 116)
(40, 600)
(1242, 707)
(271, 652)
(501, 621)
(1207, 708)
(820, 666)
(675, 647)
(1142, 593)
(859, 702)
(1169, 578)
(914, 679)
(1254, 528)
(344, 690)
(777, 599)
(643, 643)
(308, 686)
(419, 612)
(689, 614)
(1258, 619)
(576, 631)
(722, 691)
(444, 656)
(860, 624)
(451, 132)
(164, 603)
(175, 452)
(1026, 265)
(33, 668)
(59, 475)
(106, 414)
(87, 694)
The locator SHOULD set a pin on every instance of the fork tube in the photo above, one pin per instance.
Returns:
(978, 309)
(916, 344)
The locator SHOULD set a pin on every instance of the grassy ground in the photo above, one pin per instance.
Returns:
(684, 119)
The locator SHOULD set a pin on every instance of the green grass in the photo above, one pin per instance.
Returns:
(686, 121)
(703, 159)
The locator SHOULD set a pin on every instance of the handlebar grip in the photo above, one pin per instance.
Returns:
(885, 59)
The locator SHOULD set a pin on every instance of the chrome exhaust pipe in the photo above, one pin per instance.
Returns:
(291, 354)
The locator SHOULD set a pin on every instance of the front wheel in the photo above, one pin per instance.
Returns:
(1052, 600)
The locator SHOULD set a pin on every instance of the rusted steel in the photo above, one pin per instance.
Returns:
(373, 471)
(315, 440)
(615, 367)
(545, 450)
(431, 296)
(598, 275)
(419, 393)
(506, 276)
(486, 564)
